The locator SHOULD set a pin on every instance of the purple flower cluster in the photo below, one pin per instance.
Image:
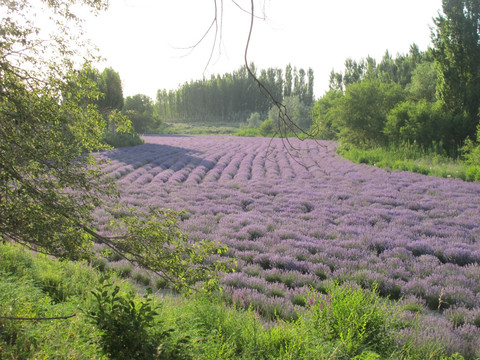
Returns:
(296, 215)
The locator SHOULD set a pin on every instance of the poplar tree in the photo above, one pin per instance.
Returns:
(456, 52)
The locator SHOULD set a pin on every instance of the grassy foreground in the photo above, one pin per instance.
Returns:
(107, 319)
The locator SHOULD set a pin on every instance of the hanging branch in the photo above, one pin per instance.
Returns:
(286, 124)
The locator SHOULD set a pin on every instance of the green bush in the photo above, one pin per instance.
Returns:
(123, 270)
(125, 322)
(123, 139)
(473, 173)
(142, 278)
(267, 128)
(249, 132)
(254, 120)
(357, 319)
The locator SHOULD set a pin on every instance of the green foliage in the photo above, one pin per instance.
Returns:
(364, 112)
(124, 322)
(27, 290)
(199, 129)
(254, 120)
(140, 110)
(61, 339)
(123, 139)
(473, 173)
(120, 132)
(43, 170)
(110, 86)
(108, 97)
(408, 157)
(420, 123)
(248, 132)
(472, 157)
(324, 114)
(233, 97)
(398, 70)
(267, 128)
(39, 137)
(456, 52)
(359, 320)
(394, 102)
(49, 122)
(424, 82)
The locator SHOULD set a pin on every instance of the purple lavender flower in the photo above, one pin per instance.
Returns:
(294, 222)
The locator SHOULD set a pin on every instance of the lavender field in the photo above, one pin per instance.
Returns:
(292, 227)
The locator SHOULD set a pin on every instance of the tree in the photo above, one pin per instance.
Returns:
(254, 120)
(354, 72)
(287, 89)
(47, 188)
(335, 82)
(364, 112)
(324, 114)
(139, 108)
(309, 95)
(424, 81)
(456, 52)
(49, 184)
(110, 86)
(420, 122)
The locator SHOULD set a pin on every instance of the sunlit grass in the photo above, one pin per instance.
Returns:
(199, 129)
(408, 158)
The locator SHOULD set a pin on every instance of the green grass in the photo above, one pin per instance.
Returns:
(199, 129)
(249, 132)
(410, 158)
(344, 323)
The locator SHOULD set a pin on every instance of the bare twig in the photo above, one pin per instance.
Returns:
(286, 124)
(215, 24)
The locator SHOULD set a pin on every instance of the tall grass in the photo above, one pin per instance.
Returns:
(199, 129)
(409, 157)
(344, 323)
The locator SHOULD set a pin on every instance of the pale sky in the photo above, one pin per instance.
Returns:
(143, 39)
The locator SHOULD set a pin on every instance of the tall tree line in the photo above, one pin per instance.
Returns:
(233, 97)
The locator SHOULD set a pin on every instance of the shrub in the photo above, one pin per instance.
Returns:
(267, 128)
(358, 319)
(123, 139)
(248, 132)
(142, 278)
(473, 173)
(124, 270)
(254, 120)
(100, 264)
(124, 321)
(161, 283)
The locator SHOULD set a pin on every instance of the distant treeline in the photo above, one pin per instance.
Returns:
(233, 97)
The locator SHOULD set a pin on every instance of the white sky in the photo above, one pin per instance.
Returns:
(141, 39)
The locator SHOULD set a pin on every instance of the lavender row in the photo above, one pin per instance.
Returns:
(298, 216)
